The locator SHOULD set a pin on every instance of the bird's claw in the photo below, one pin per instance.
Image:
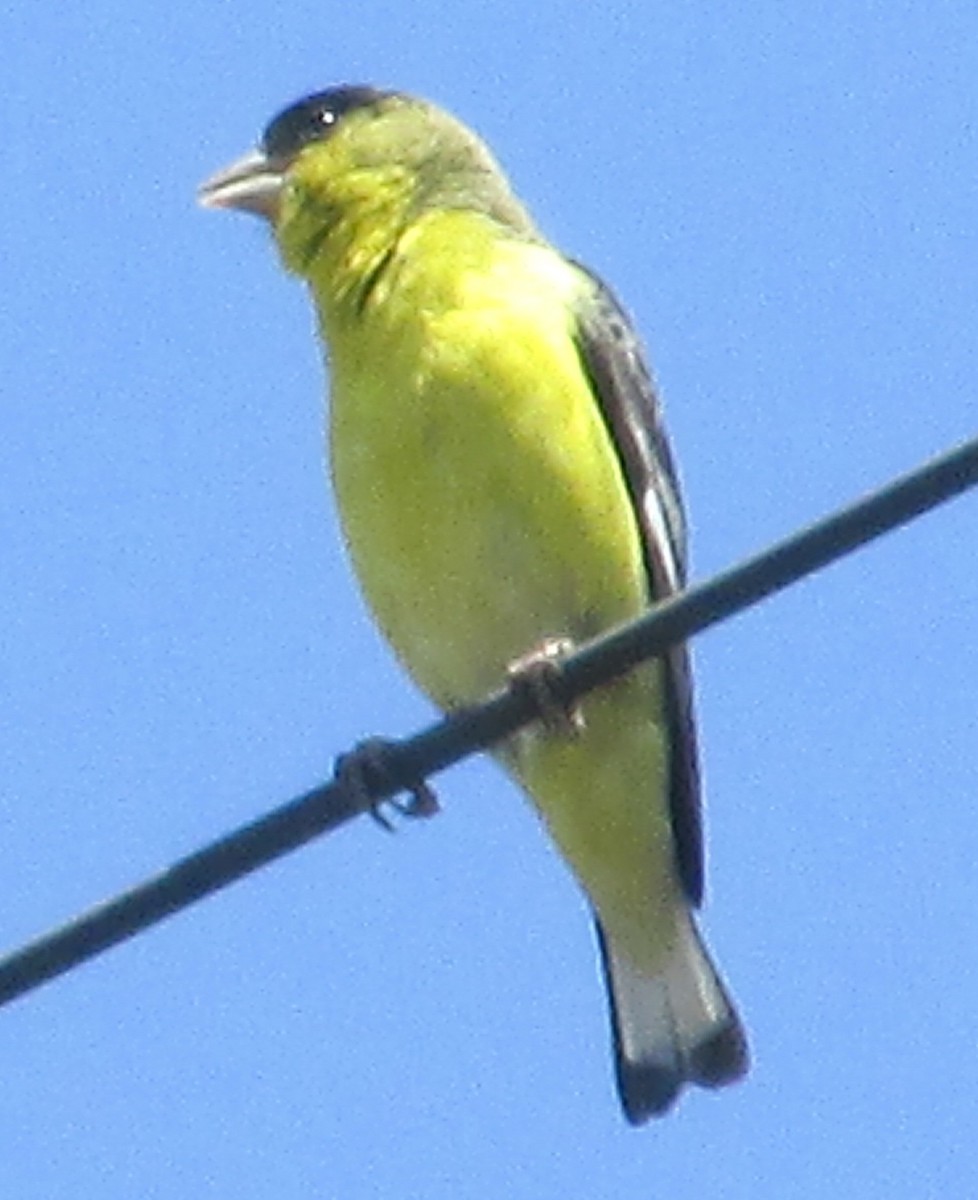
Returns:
(536, 673)
(364, 771)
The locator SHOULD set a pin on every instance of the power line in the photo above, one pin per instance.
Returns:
(403, 766)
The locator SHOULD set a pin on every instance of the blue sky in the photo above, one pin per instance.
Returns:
(785, 198)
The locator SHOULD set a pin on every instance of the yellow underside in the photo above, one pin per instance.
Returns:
(485, 511)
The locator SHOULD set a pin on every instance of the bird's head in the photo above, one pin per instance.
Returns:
(345, 164)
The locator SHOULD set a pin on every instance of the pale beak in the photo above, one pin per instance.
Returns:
(253, 184)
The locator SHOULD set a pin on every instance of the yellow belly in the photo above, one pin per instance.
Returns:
(485, 510)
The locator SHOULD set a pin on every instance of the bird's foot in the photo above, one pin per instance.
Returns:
(365, 772)
(536, 673)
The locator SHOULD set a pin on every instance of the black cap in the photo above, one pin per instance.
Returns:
(313, 118)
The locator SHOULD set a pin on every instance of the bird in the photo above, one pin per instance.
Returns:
(506, 491)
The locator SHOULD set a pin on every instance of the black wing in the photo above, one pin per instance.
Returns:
(613, 359)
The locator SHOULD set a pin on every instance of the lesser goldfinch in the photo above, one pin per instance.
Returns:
(504, 485)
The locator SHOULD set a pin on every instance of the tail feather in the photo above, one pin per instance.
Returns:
(676, 1027)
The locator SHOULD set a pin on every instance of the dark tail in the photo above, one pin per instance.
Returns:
(670, 1029)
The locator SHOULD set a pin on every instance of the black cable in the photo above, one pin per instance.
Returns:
(402, 766)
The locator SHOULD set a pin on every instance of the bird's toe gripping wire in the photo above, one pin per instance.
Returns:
(536, 673)
(365, 771)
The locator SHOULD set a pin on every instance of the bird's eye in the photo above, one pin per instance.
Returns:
(313, 119)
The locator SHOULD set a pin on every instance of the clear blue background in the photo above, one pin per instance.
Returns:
(785, 197)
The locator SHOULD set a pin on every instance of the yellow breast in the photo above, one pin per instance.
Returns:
(480, 495)
(485, 510)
